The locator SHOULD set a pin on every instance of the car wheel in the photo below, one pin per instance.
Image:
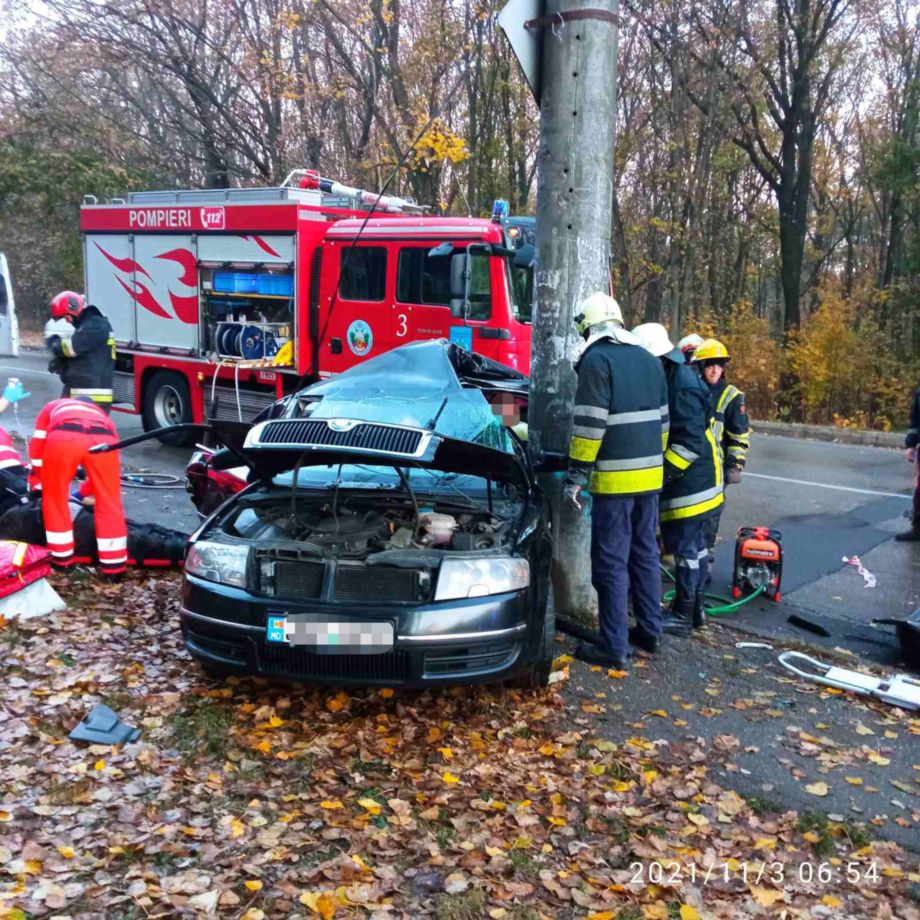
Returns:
(536, 676)
(167, 402)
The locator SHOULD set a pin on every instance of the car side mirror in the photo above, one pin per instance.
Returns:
(459, 284)
(524, 257)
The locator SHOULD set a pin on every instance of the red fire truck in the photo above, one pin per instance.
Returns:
(224, 300)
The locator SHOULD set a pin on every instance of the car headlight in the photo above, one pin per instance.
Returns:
(479, 577)
(224, 563)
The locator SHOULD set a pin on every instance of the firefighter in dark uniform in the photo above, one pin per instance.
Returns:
(730, 424)
(620, 425)
(693, 479)
(86, 360)
(912, 456)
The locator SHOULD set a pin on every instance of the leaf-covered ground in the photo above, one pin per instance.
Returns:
(244, 799)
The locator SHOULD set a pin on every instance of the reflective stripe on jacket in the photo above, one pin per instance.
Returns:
(620, 421)
(730, 423)
(692, 458)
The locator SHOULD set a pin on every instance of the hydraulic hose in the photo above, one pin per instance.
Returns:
(151, 481)
(726, 607)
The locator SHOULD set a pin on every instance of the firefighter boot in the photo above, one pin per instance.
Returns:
(679, 621)
(699, 611)
(912, 535)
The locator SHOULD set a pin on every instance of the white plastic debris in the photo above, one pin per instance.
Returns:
(897, 690)
(35, 600)
(856, 562)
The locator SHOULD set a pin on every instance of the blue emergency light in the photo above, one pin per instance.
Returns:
(500, 209)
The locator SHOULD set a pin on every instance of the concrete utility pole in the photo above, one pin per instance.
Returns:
(574, 202)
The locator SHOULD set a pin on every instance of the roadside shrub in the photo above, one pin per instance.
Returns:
(847, 369)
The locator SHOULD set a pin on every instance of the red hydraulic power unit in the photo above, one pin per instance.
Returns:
(758, 562)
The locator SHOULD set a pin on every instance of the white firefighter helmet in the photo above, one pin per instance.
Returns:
(690, 343)
(595, 309)
(653, 337)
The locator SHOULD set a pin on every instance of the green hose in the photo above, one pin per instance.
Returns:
(726, 607)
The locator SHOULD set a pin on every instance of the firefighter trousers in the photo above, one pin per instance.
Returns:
(65, 450)
(916, 510)
(685, 539)
(625, 560)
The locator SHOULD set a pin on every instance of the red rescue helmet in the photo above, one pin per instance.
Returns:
(67, 303)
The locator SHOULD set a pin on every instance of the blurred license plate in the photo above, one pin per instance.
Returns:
(331, 636)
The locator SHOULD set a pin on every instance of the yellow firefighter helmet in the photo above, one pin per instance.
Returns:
(710, 350)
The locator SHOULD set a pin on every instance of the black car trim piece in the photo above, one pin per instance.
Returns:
(491, 634)
(258, 630)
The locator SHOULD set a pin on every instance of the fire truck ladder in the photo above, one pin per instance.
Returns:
(311, 179)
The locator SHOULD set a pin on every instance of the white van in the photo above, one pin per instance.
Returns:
(9, 327)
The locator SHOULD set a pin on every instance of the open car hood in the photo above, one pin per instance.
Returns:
(424, 405)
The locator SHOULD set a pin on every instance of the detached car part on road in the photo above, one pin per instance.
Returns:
(391, 533)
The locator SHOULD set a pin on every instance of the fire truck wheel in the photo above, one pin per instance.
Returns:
(167, 402)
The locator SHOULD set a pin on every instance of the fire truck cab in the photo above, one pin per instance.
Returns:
(222, 301)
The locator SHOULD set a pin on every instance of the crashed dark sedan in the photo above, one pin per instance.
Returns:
(391, 533)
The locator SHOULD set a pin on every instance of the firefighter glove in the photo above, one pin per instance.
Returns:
(733, 475)
(54, 346)
(15, 391)
(56, 366)
(570, 494)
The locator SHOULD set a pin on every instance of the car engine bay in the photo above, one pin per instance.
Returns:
(357, 526)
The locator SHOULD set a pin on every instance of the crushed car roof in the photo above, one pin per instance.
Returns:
(424, 404)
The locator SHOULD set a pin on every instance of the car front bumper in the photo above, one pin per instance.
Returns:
(468, 641)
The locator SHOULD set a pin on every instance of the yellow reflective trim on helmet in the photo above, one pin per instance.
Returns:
(627, 482)
(584, 449)
(676, 460)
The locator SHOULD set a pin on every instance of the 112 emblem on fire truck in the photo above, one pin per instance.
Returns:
(360, 338)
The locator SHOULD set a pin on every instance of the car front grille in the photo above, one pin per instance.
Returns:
(316, 432)
(227, 648)
(371, 584)
(471, 659)
(295, 662)
(299, 579)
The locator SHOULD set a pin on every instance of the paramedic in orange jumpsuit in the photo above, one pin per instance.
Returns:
(65, 430)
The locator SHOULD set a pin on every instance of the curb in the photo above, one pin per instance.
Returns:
(889, 439)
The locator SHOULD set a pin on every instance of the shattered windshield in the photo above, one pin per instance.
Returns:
(415, 385)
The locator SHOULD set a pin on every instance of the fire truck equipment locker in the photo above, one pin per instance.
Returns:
(166, 291)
